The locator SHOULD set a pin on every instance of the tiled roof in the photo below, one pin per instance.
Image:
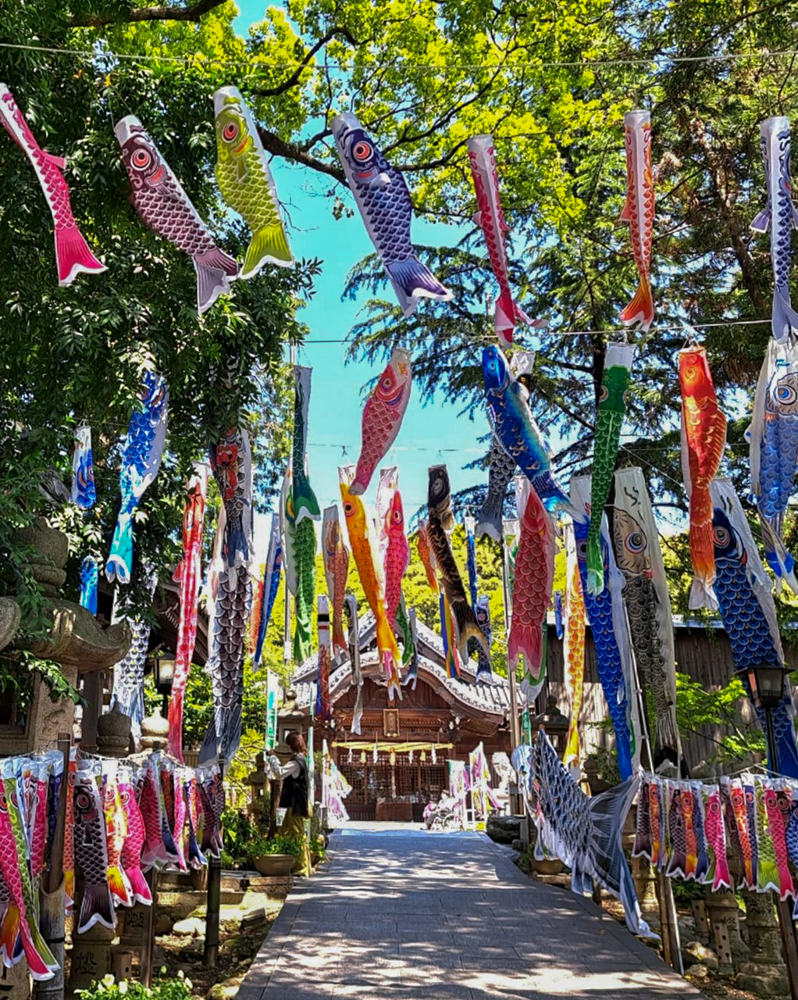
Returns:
(490, 699)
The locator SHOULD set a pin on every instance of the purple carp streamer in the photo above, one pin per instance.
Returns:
(383, 200)
(585, 833)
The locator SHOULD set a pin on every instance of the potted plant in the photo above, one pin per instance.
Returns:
(276, 855)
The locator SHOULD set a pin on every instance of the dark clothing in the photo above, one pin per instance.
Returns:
(295, 789)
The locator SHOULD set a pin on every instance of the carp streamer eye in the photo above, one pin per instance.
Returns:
(349, 509)
(635, 542)
(786, 394)
(361, 150)
(722, 537)
(605, 394)
(230, 131)
(397, 517)
(141, 159)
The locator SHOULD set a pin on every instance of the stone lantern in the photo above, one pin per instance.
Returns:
(555, 724)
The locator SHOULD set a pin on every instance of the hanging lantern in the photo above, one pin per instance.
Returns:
(410, 757)
(349, 759)
(374, 752)
(434, 756)
(423, 755)
(393, 757)
(362, 756)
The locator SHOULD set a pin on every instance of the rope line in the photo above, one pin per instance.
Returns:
(254, 64)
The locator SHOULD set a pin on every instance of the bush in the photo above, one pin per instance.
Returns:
(164, 989)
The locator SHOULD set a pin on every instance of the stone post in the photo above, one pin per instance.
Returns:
(764, 974)
(724, 921)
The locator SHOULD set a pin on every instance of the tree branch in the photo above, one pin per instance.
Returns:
(191, 12)
(293, 79)
(291, 151)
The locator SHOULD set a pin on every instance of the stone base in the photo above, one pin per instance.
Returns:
(762, 980)
(504, 829)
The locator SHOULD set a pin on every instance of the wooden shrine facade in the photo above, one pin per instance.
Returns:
(399, 760)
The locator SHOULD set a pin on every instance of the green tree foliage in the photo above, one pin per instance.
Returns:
(77, 354)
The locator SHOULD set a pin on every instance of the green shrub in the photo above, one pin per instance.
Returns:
(162, 989)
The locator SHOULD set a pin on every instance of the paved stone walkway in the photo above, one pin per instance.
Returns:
(419, 916)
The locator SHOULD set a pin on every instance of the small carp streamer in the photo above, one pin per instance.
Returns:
(639, 213)
(703, 441)
(323, 706)
(382, 417)
(574, 621)
(585, 833)
(780, 217)
(451, 655)
(747, 608)
(189, 575)
(484, 663)
(397, 555)
(84, 491)
(246, 182)
(72, 252)
(383, 200)
(516, 431)
(269, 585)
(609, 423)
(606, 616)
(426, 556)
(490, 219)
(773, 439)
(533, 579)
(471, 558)
(371, 579)
(304, 502)
(441, 523)
(160, 200)
(299, 548)
(128, 688)
(89, 579)
(336, 572)
(142, 452)
(639, 558)
(501, 469)
(230, 459)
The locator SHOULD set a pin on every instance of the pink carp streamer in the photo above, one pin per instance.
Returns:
(72, 252)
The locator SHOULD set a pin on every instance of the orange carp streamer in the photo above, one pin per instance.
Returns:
(703, 441)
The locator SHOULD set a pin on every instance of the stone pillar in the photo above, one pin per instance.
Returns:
(764, 974)
(724, 921)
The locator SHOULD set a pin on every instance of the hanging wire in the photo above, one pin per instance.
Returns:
(658, 59)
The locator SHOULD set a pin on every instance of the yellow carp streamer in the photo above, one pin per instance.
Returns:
(573, 644)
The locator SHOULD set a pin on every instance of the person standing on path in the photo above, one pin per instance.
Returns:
(295, 796)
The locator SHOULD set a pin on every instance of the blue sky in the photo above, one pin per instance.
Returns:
(336, 395)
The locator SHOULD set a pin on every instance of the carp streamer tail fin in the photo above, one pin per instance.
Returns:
(506, 316)
(526, 639)
(215, 270)
(641, 308)
(412, 280)
(175, 738)
(268, 246)
(9, 935)
(120, 561)
(74, 256)
(784, 317)
(139, 889)
(467, 627)
(96, 908)
(702, 550)
(119, 885)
